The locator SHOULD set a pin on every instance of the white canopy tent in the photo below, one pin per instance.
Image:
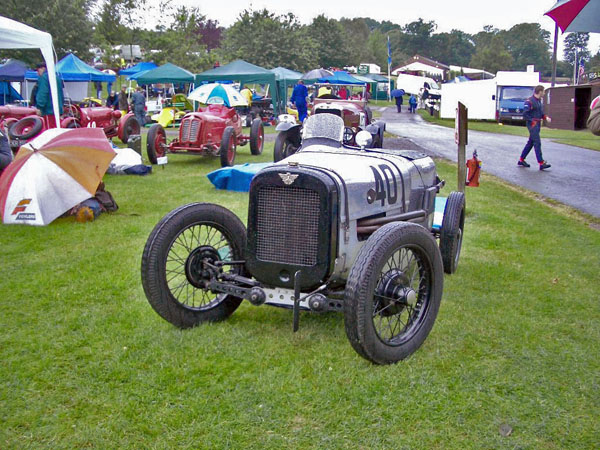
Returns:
(14, 35)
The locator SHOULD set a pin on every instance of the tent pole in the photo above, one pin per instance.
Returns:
(554, 55)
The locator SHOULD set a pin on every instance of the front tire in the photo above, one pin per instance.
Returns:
(257, 137)
(451, 231)
(26, 128)
(393, 293)
(284, 146)
(155, 143)
(227, 149)
(172, 263)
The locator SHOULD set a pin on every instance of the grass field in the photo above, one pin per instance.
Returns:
(512, 361)
(580, 138)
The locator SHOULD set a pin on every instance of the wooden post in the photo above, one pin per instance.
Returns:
(461, 137)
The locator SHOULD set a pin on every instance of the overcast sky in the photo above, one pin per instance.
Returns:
(466, 15)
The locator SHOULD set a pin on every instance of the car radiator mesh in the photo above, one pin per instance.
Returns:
(288, 225)
(189, 130)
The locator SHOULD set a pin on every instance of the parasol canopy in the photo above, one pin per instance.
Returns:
(54, 172)
(210, 93)
(576, 15)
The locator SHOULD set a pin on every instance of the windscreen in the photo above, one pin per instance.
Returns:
(327, 126)
(521, 93)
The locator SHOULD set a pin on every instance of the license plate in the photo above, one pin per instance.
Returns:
(516, 117)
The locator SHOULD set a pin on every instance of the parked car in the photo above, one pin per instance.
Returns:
(215, 130)
(334, 227)
(355, 113)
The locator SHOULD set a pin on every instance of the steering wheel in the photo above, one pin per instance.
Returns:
(72, 110)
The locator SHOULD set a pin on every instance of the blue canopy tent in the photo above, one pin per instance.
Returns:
(139, 67)
(341, 77)
(8, 94)
(13, 70)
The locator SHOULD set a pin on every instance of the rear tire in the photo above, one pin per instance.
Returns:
(155, 141)
(172, 269)
(393, 293)
(451, 231)
(257, 137)
(131, 126)
(227, 149)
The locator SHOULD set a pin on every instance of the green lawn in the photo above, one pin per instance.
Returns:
(580, 138)
(86, 362)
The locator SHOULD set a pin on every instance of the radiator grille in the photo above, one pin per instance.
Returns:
(189, 130)
(288, 225)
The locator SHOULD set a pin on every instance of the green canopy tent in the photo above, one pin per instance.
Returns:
(167, 73)
(244, 72)
(285, 79)
(379, 88)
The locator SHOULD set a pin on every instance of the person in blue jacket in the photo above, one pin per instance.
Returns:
(533, 115)
(412, 103)
(298, 98)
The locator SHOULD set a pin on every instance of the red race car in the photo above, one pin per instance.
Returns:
(215, 131)
(22, 123)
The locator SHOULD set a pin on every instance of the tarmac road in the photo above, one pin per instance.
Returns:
(573, 179)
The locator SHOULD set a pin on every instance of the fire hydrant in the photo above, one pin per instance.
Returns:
(473, 171)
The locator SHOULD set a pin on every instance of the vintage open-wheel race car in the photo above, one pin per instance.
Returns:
(356, 114)
(331, 228)
(215, 130)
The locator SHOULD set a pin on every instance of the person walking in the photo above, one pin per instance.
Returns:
(138, 103)
(533, 114)
(412, 103)
(399, 101)
(298, 98)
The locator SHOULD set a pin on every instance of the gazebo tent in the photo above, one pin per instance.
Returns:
(13, 70)
(379, 88)
(8, 93)
(71, 68)
(14, 35)
(167, 73)
(139, 67)
(244, 72)
(285, 78)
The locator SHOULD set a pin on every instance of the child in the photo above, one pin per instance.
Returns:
(412, 103)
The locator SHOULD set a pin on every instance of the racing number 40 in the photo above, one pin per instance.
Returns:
(383, 189)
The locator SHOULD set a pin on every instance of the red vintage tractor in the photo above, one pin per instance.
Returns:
(215, 130)
(22, 123)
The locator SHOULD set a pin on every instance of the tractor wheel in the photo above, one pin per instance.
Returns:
(257, 137)
(131, 126)
(451, 231)
(284, 146)
(393, 293)
(174, 274)
(26, 128)
(155, 143)
(73, 124)
(227, 149)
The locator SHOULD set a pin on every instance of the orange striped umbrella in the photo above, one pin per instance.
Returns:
(52, 173)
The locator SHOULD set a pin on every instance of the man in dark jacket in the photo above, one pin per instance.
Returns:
(43, 97)
(123, 100)
(533, 115)
(112, 101)
(138, 104)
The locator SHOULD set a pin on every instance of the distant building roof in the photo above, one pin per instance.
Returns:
(420, 63)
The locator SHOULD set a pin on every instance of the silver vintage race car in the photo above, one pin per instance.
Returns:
(331, 228)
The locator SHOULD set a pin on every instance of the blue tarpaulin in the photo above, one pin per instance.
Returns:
(8, 94)
(236, 178)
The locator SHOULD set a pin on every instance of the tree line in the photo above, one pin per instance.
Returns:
(186, 37)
